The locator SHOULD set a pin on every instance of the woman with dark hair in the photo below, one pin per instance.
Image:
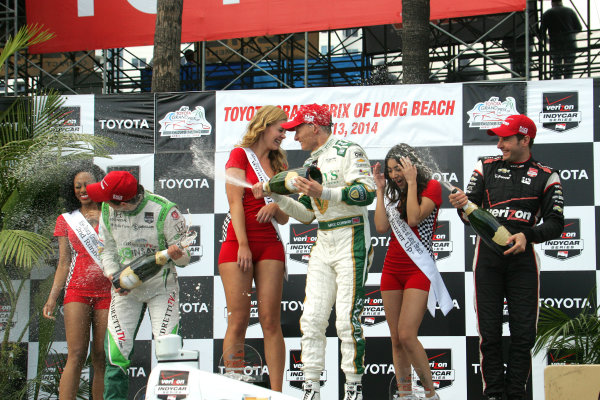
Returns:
(252, 250)
(87, 290)
(408, 200)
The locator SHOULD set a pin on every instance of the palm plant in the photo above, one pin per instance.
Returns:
(34, 151)
(578, 337)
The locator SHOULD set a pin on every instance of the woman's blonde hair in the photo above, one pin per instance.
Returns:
(266, 116)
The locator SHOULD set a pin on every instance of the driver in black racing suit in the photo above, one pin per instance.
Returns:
(518, 191)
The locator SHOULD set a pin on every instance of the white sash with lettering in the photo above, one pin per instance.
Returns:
(263, 177)
(85, 233)
(422, 259)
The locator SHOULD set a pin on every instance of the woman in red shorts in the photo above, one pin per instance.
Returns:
(406, 191)
(87, 290)
(252, 249)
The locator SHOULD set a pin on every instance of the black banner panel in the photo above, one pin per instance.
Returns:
(177, 145)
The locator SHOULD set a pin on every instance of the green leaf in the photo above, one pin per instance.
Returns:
(23, 248)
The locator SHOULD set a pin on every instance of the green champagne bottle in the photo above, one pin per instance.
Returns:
(145, 267)
(284, 182)
(488, 228)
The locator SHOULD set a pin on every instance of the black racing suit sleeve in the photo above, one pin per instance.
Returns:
(551, 212)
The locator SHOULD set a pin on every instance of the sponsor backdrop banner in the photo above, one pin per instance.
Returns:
(132, 22)
(177, 145)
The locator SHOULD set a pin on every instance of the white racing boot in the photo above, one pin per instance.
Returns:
(311, 390)
(353, 391)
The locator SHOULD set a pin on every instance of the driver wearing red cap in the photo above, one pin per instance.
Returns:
(134, 223)
(520, 192)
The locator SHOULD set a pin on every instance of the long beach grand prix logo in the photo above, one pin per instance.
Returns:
(490, 114)
(569, 244)
(185, 123)
(560, 111)
(302, 238)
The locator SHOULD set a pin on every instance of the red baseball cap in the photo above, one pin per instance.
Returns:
(116, 185)
(309, 114)
(515, 124)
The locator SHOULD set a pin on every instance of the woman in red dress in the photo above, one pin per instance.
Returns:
(404, 287)
(252, 250)
(87, 290)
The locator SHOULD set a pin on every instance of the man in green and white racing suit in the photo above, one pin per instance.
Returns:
(134, 223)
(342, 254)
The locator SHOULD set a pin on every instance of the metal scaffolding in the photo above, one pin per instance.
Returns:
(491, 47)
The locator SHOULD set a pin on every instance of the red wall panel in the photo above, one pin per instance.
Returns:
(118, 23)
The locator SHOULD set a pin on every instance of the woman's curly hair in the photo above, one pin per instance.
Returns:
(266, 116)
(67, 191)
(424, 173)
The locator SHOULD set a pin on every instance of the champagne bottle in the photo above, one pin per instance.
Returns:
(284, 182)
(145, 267)
(488, 228)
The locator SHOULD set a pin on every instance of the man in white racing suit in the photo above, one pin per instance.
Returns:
(342, 254)
(134, 223)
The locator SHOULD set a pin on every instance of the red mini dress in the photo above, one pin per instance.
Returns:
(86, 282)
(399, 271)
(262, 237)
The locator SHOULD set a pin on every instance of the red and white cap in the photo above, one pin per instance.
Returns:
(309, 114)
(116, 185)
(513, 125)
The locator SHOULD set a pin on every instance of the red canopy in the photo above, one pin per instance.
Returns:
(105, 24)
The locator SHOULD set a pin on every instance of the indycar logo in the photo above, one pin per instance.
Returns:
(560, 111)
(441, 244)
(440, 362)
(373, 312)
(294, 374)
(302, 239)
(568, 245)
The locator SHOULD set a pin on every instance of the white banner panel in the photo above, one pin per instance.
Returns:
(374, 116)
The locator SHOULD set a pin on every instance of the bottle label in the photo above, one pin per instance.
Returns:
(290, 181)
(128, 279)
(162, 257)
(501, 235)
(470, 207)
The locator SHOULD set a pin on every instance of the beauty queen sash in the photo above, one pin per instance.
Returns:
(263, 177)
(85, 233)
(438, 294)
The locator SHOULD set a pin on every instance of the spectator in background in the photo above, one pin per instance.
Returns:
(562, 25)
(188, 58)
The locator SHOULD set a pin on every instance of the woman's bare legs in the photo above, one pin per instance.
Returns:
(237, 286)
(268, 277)
(99, 322)
(406, 309)
(77, 328)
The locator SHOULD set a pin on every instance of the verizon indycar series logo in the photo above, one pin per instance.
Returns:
(294, 375)
(440, 362)
(490, 114)
(373, 312)
(70, 119)
(442, 246)
(185, 123)
(172, 384)
(302, 238)
(569, 244)
(560, 111)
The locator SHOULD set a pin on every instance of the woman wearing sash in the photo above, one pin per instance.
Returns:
(408, 200)
(252, 249)
(87, 290)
